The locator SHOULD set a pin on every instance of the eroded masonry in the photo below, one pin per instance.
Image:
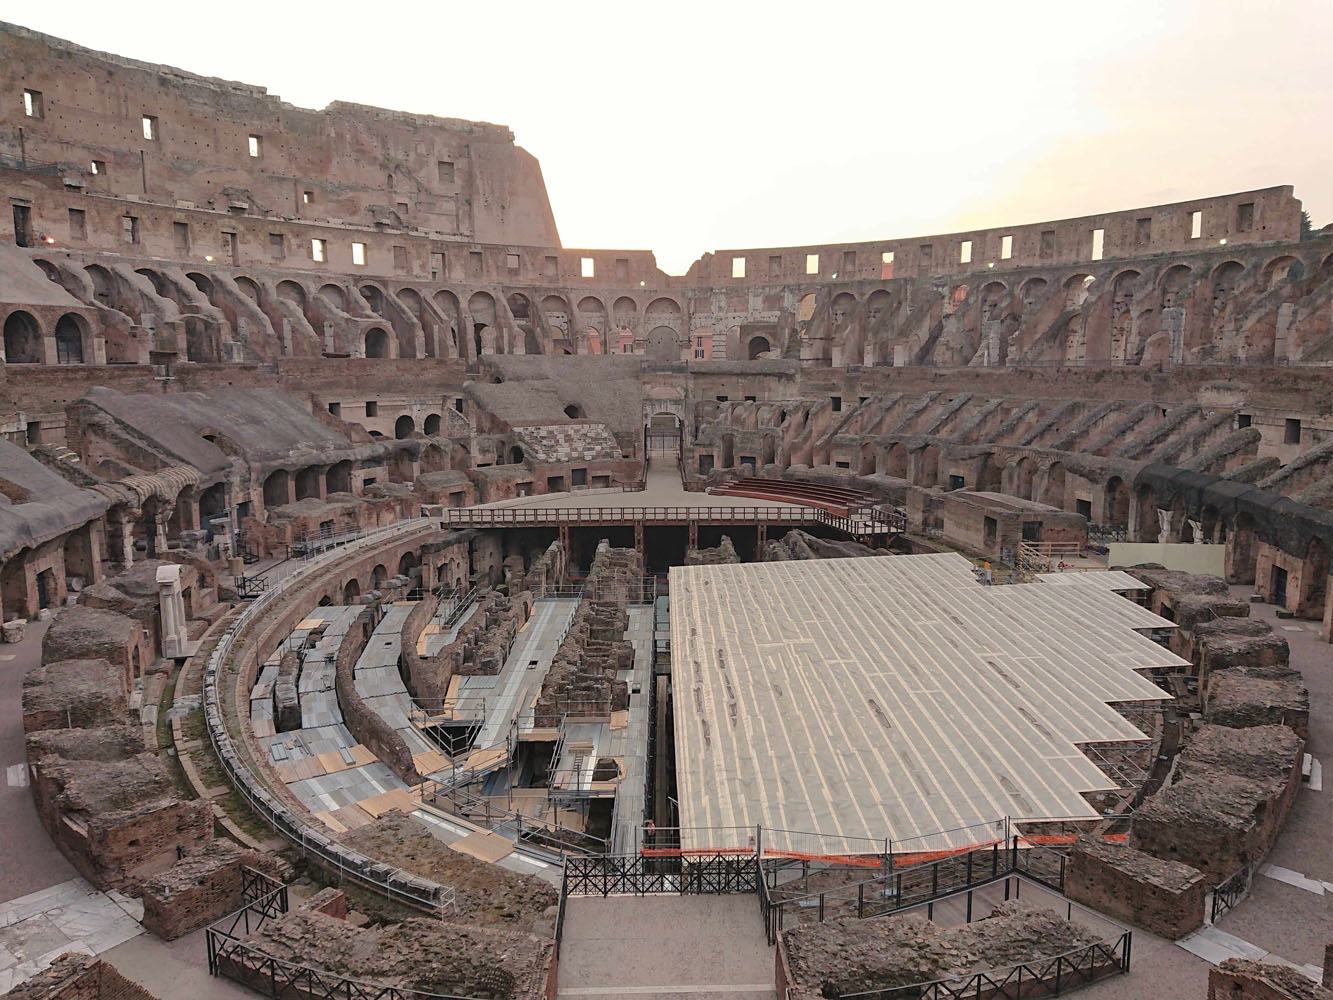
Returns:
(407, 605)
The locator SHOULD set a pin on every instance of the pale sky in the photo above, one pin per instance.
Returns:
(686, 127)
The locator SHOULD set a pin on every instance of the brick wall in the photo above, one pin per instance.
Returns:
(201, 889)
(75, 976)
(365, 725)
(1165, 897)
(1240, 980)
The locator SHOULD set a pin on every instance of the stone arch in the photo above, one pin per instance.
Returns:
(841, 308)
(408, 562)
(1280, 269)
(374, 297)
(23, 339)
(71, 331)
(351, 590)
(1030, 291)
(520, 306)
(378, 576)
(895, 460)
(1076, 290)
(625, 312)
(102, 284)
(663, 311)
(1024, 472)
(277, 486)
(249, 288)
(1172, 283)
(404, 427)
(377, 342)
(334, 296)
(878, 304)
(431, 425)
(307, 482)
(339, 477)
(203, 283)
(867, 464)
(159, 283)
(515, 455)
(1116, 513)
(293, 293)
(992, 475)
(1123, 286)
(484, 335)
(757, 345)
(434, 459)
(661, 344)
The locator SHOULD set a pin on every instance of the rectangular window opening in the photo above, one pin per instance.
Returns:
(372, 408)
(622, 269)
(446, 171)
(1006, 247)
(886, 264)
(836, 403)
(256, 145)
(965, 252)
(400, 262)
(848, 263)
(1143, 232)
(307, 197)
(775, 267)
(812, 263)
(336, 409)
(180, 232)
(1245, 217)
(359, 254)
(78, 224)
(1196, 225)
(129, 228)
(587, 268)
(1098, 243)
(277, 246)
(1292, 433)
(1047, 250)
(319, 251)
(550, 267)
(149, 123)
(512, 261)
(98, 167)
(1243, 420)
(738, 267)
(33, 106)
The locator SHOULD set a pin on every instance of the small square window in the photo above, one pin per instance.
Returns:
(129, 228)
(336, 409)
(1006, 247)
(256, 145)
(965, 252)
(277, 246)
(403, 209)
(32, 104)
(812, 263)
(836, 403)
(1292, 433)
(698, 353)
(446, 169)
(78, 224)
(1196, 225)
(307, 197)
(886, 264)
(372, 408)
(1243, 420)
(586, 267)
(738, 267)
(149, 123)
(359, 254)
(319, 251)
(511, 261)
(1098, 243)
(98, 167)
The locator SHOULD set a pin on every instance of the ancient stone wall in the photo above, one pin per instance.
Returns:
(202, 888)
(1165, 897)
(366, 725)
(76, 976)
(1237, 979)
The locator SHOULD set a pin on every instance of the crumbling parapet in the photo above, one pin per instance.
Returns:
(1239, 979)
(202, 888)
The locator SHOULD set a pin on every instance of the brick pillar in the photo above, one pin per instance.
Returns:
(1328, 965)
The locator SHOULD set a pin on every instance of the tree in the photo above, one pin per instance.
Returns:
(1307, 227)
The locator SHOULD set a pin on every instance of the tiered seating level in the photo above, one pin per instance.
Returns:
(834, 499)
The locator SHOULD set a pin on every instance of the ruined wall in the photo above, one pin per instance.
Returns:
(1163, 896)
(1237, 979)
(366, 725)
(76, 976)
(202, 888)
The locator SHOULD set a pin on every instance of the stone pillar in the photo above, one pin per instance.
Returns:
(175, 634)
(1328, 965)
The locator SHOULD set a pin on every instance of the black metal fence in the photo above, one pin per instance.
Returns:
(1044, 977)
(638, 875)
(1230, 892)
(914, 885)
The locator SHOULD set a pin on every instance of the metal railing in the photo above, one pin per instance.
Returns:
(394, 883)
(1229, 892)
(1045, 977)
(869, 521)
(637, 875)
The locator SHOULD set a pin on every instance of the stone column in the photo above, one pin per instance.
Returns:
(175, 634)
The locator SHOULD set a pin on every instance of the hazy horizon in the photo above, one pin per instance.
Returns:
(732, 126)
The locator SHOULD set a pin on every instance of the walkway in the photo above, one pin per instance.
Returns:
(665, 948)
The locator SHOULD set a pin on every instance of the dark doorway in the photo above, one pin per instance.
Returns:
(1278, 591)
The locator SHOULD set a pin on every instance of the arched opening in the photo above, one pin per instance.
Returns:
(374, 298)
(277, 489)
(290, 291)
(1023, 478)
(485, 337)
(69, 340)
(895, 460)
(249, 289)
(23, 339)
(351, 591)
(339, 477)
(1117, 503)
(431, 426)
(403, 427)
(757, 346)
(212, 503)
(866, 465)
(202, 283)
(661, 344)
(408, 563)
(433, 459)
(515, 455)
(574, 412)
(334, 297)
(378, 576)
(377, 343)
(307, 483)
